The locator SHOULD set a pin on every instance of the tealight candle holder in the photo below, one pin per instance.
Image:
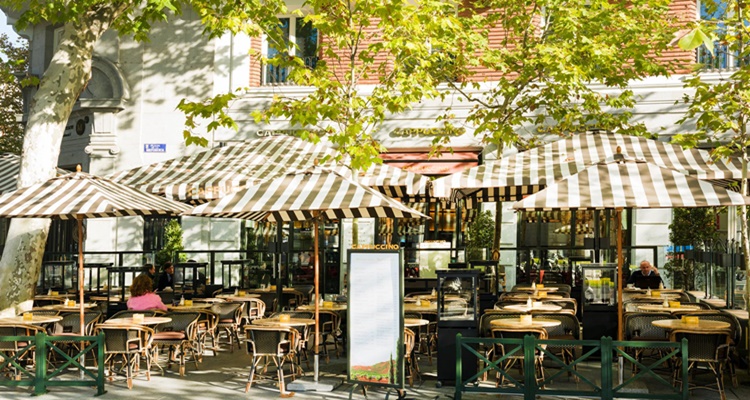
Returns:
(189, 303)
(241, 293)
(138, 318)
(674, 304)
(70, 303)
(690, 320)
(525, 319)
(27, 316)
(284, 318)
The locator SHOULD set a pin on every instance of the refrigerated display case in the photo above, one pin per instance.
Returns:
(457, 312)
(599, 301)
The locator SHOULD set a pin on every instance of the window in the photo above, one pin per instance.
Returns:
(154, 237)
(723, 56)
(305, 45)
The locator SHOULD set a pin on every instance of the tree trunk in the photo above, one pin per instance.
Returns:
(63, 81)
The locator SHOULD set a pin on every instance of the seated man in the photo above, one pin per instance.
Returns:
(644, 269)
(166, 279)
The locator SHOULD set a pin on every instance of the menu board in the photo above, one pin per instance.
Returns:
(375, 323)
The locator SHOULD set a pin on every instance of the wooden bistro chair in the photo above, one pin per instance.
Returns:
(517, 356)
(129, 342)
(275, 343)
(705, 348)
(180, 336)
(13, 353)
(230, 318)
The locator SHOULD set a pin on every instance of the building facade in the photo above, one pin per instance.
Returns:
(127, 117)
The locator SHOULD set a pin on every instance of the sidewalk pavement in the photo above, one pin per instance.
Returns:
(224, 376)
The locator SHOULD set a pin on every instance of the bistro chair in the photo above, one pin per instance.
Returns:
(518, 355)
(129, 342)
(277, 344)
(206, 326)
(485, 330)
(16, 352)
(230, 318)
(180, 336)
(569, 329)
(638, 327)
(330, 329)
(254, 309)
(735, 335)
(410, 358)
(707, 348)
(70, 325)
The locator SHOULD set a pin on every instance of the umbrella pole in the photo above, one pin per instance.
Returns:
(316, 357)
(620, 262)
(79, 219)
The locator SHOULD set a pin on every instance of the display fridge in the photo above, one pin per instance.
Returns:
(599, 301)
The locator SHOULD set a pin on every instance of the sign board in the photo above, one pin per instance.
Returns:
(375, 323)
(432, 257)
(154, 147)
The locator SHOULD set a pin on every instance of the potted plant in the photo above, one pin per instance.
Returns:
(172, 244)
(479, 236)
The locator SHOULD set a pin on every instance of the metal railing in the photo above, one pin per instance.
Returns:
(278, 75)
(607, 389)
(43, 376)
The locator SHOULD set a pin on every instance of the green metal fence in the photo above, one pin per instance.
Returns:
(45, 374)
(607, 349)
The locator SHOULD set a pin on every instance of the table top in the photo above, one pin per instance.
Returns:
(209, 300)
(537, 289)
(516, 323)
(236, 297)
(61, 296)
(413, 307)
(535, 297)
(63, 307)
(636, 290)
(335, 307)
(524, 308)
(195, 306)
(146, 321)
(111, 298)
(35, 319)
(414, 322)
(659, 307)
(269, 290)
(702, 325)
(662, 296)
(292, 321)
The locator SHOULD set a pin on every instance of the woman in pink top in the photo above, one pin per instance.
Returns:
(142, 296)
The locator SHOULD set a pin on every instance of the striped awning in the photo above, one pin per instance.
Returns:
(518, 175)
(79, 194)
(9, 165)
(630, 185)
(214, 173)
(304, 195)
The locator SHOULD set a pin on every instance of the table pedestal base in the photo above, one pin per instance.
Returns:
(309, 385)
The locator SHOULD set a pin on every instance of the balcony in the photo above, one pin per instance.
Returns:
(276, 75)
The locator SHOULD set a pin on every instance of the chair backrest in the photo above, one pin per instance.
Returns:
(130, 313)
(485, 328)
(561, 287)
(255, 308)
(566, 304)
(16, 330)
(703, 345)
(569, 328)
(296, 314)
(208, 320)
(414, 315)
(125, 338)
(230, 310)
(517, 333)
(46, 313)
(638, 326)
(270, 341)
(180, 322)
(71, 322)
(409, 342)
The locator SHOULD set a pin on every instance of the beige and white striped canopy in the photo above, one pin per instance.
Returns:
(630, 185)
(214, 173)
(305, 195)
(9, 165)
(76, 195)
(513, 177)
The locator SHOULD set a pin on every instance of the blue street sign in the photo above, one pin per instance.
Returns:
(155, 148)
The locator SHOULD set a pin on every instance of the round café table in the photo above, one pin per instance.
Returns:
(65, 308)
(198, 306)
(146, 321)
(237, 297)
(35, 319)
(516, 323)
(276, 322)
(538, 289)
(412, 307)
(336, 307)
(415, 322)
(538, 307)
(533, 296)
(661, 308)
(662, 296)
(702, 325)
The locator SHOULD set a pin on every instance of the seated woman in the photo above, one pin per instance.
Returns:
(142, 296)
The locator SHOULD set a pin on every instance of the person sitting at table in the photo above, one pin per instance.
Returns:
(142, 296)
(166, 279)
(644, 269)
(150, 271)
